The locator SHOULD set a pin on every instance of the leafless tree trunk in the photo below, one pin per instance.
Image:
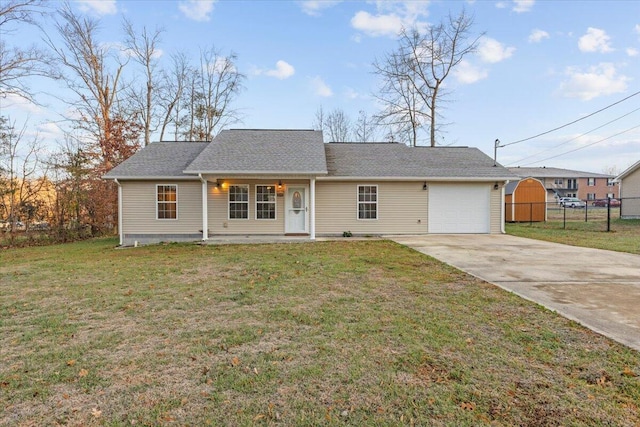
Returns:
(88, 74)
(217, 84)
(364, 129)
(413, 74)
(143, 48)
(171, 93)
(318, 121)
(338, 126)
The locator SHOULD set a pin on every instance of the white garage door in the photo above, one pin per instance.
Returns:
(459, 208)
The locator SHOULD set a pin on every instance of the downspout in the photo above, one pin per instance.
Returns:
(120, 232)
(205, 209)
(502, 213)
(312, 222)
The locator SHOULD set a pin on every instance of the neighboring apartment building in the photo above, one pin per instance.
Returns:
(569, 183)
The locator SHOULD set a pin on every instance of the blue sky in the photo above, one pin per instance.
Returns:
(540, 65)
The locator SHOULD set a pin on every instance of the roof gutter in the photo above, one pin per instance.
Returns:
(416, 178)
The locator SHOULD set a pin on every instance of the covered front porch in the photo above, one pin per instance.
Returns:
(258, 206)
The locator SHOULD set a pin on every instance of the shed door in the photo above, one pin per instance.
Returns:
(459, 208)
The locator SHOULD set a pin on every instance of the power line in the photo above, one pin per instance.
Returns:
(573, 139)
(570, 123)
(585, 146)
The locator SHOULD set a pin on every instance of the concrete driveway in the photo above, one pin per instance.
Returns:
(597, 288)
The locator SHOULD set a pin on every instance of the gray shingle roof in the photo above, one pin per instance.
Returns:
(159, 160)
(544, 172)
(510, 187)
(263, 151)
(302, 152)
(400, 161)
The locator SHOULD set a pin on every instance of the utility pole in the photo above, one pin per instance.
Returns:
(495, 151)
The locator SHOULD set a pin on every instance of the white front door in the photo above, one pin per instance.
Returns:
(297, 211)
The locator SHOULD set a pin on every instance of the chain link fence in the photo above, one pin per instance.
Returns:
(596, 215)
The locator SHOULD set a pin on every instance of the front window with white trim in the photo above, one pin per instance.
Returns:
(367, 202)
(238, 202)
(265, 202)
(166, 201)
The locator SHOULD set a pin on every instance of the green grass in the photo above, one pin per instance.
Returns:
(334, 333)
(623, 237)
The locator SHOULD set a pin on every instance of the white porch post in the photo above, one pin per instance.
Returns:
(120, 212)
(312, 197)
(205, 209)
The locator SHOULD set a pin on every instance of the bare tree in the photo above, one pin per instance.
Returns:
(319, 119)
(21, 173)
(364, 129)
(143, 48)
(19, 63)
(174, 81)
(215, 85)
(413, 74)
(88, 64)
(338, 126)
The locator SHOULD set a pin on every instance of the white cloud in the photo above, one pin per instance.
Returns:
(350, 93)
(320, 87)
(523, 5)
(492, 51)
(537, 36)
(390, 18)
(315, 7)
(12, 100)
(467, 73)
(283, 70)
(596, 40)
(599, 80)
(197, 10)
(99, 7)
(378, 25)
(501, 5)
(632, 51)
(50, 132)
(637, 28)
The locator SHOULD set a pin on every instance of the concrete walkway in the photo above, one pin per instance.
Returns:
(597, 288)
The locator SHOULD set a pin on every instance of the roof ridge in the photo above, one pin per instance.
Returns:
(274, 129)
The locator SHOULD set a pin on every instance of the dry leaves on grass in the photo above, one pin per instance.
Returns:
(468, 406)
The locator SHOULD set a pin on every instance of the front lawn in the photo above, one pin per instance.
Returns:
(334, 333)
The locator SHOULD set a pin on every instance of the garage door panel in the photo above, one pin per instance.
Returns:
(459, 208)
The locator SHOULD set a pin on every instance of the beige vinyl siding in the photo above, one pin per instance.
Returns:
(218, 212)
(495, 207)
(139, 208)
(402, 208)
(630, 187)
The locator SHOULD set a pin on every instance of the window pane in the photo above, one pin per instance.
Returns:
(367, 202)
(167, 197)
(238, 202)
(265, 202)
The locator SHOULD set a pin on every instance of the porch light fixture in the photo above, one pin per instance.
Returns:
(279, 184)
(496, 186)
(424, 186)
(219, 182)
